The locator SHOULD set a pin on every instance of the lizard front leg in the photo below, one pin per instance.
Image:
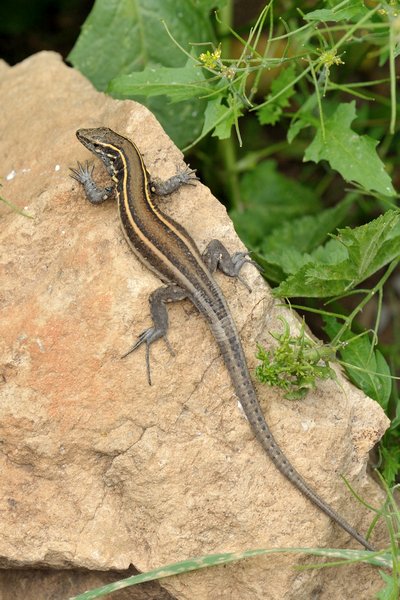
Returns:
(83, 174)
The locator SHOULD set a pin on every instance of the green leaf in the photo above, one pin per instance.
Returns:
(351, 10)
(121, 37)
(289, 246)
(358, 353)
(269, 198)
(391, 589)
(352, 155)
(220, 117)
(373, 245)
(182, 121)
(373, 373)
(364, 250)
(270, 272)
(215, 113)
(332, 253)
(270, 113)
(295, 127)
(390, 456)
(303, 118)
(178, 83)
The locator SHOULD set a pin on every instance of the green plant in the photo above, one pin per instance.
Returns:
(296, 363)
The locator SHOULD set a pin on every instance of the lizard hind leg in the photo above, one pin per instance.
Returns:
(159, 314)
(216, 256)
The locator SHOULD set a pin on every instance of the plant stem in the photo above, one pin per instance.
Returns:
(226, 148)
(348, 321)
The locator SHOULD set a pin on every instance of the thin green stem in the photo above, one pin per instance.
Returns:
(228, 155)
(283, 90)
(349, 319)
(224, 27)
(316, 311)
(227, 148)
(15, 208)
(392, 69)
(265, 54)
(354, 27)
(318, 95)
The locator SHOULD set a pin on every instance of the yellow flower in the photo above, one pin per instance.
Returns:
(210, 59)
(329, 58)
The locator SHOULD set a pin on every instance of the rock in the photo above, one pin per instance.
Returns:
(46, 584)
(101, 471)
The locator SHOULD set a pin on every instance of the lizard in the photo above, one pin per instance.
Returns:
(165, 247)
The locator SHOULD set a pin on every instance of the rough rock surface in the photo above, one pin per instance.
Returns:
(53, 584)
(101, 471)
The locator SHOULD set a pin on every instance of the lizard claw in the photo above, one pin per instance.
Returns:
(82, 173)
(148, 337)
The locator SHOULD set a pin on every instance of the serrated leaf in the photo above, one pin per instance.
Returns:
(269, 198)
(352, 155)
(178, 83)
(373, 245)
(269, 114)
(331, 253)
(289, 260)
(367, 249)
(289, 246)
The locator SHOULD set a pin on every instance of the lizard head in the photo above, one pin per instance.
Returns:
(99, 140)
